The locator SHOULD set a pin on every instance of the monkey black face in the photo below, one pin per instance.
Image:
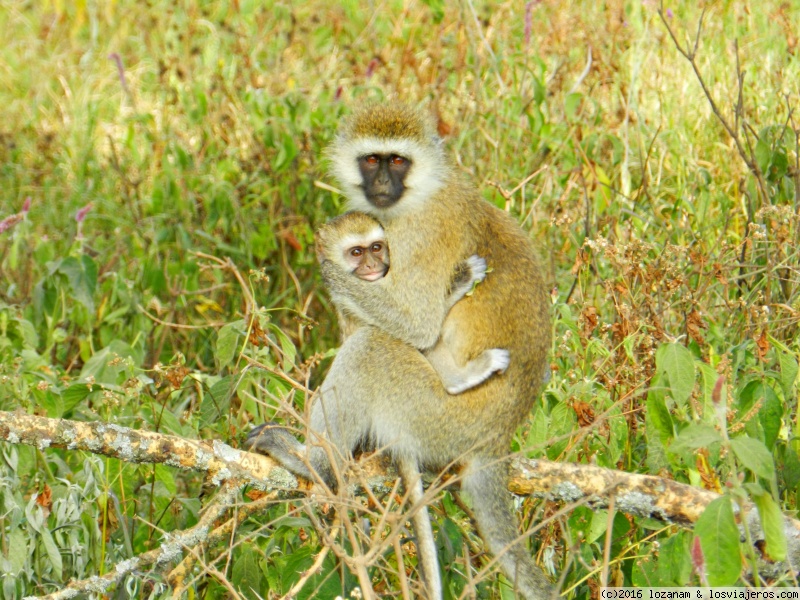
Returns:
(383, 177)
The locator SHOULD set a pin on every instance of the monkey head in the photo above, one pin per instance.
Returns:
(357, 243)
(388, 159)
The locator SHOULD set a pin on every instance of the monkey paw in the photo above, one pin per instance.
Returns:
(499, 359)
(477, 266)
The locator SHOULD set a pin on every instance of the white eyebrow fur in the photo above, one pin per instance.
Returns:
(356, 239)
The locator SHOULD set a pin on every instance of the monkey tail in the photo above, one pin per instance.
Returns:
(486, 483)
(426, 545)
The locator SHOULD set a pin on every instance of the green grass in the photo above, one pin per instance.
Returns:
(671, 264)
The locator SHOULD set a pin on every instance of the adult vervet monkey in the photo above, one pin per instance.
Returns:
(357, 243)
(391, 165)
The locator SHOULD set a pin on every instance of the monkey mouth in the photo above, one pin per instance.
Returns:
(382, 200)
(373, 276)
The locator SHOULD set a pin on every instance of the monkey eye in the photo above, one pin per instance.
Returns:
(376, 247)
(357, 251)
(397, 160)
(372, 159)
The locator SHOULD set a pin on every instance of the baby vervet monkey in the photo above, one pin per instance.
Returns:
(356, 242)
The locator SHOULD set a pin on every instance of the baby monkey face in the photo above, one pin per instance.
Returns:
(369, 261)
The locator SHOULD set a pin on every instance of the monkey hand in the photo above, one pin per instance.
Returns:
(278, 443)
(468, 274)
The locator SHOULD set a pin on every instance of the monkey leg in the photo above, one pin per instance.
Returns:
(486, 483)
(426, 544)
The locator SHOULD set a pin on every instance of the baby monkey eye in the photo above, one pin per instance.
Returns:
(376, 247)
(356, 251)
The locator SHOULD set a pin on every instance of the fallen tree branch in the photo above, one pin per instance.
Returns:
(640, 495)
(218, 460)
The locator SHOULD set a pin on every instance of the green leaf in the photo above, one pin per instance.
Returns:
(659, 417)
(788, 363)
(790, 469)
(672, 567)
(659, 429)
(763, 154)
(82, 277)
(246, 573)
(217, 400)
(772, 524)
(710, 376)
(18, 558)
(74, 395)
(598, 527)
(104, 366)
(537, 436)
(288, 349)
(770, 414)
(562, 422)
(165, 476)
(753, 454)
(228, 342)
(572, 104)
(53, 553)
(678, 364)
(719, 539)
(696, 435)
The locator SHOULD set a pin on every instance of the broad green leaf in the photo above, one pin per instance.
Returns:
(788, 363)
(217, 400)
(53, 554)
(74, 395)
(763, 153)
(671, 567)
(719, 539)
(659, 418)
(710, 377)
(18, 558)
(228, 342)
(30, 338)
(449, 540)
(790, 469)
(562, 421)
(598, 526)
(104, 365)
(287, 347)
(82, 277)
(51, 403)
(246, 573)
(678, 364)
(754, 456)
(772, 524)
(572, 104)
(696, 435)
(165, 476)
(537, 436)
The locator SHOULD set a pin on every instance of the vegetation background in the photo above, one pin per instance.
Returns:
(161, 180)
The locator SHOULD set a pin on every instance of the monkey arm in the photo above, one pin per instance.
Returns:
(412, 313)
